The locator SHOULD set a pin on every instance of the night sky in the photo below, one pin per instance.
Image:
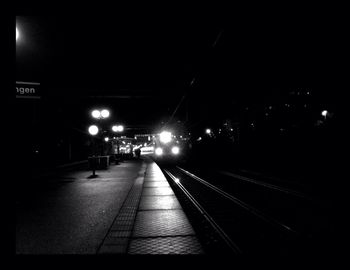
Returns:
(141, 66)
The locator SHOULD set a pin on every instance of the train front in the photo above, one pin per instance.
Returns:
(167, 148)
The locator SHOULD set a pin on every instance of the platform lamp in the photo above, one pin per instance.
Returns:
(93, 130)
(117, 128)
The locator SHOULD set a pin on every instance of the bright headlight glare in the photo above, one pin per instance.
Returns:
(175, 150)
(165, 136)
(159, 151)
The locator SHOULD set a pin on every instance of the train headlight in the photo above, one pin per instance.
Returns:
(175, 150)
(159, 151)
(165, 137)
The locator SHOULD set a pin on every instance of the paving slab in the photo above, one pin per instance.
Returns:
(151, 220)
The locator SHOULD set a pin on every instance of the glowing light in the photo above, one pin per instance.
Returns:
(93, 130)
(96, 114)
(106, 139)
(118, 128)
(208, 131)
(175, 150)
(159, 151)
(17, 34)
(165, 137)
(105, 113)
(147, 149)
(324, 113)
(177, 180)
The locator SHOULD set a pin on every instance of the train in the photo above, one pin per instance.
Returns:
(169, 147)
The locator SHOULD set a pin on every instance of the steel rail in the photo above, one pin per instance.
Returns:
(206, 215)
(267, 185)
(242, 204)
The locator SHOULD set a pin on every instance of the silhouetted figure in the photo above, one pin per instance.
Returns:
(138, 152)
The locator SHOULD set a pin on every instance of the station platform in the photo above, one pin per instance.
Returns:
(151, 219)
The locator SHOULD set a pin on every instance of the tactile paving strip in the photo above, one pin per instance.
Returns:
(165, 245)
(117, 238)
(162, 223)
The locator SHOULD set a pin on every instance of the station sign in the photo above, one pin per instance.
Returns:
(27, 90)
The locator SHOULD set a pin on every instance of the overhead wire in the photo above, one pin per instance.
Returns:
(192, 83)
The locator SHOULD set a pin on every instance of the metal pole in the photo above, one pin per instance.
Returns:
(93, 157)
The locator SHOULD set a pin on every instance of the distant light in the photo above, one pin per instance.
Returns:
(106, 139)
(147, 149)
(208, 131)
(96, 114)
(177, 180)
(145, 144)
(105, 113)
(324, 113)
(199, 139)
(231, 129)
(118, 128)
(93, 130)
(175, 150)
(159, 151)
(165, 137)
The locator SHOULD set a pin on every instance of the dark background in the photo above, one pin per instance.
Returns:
(152, 68)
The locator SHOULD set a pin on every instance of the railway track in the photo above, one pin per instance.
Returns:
(241, 215)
